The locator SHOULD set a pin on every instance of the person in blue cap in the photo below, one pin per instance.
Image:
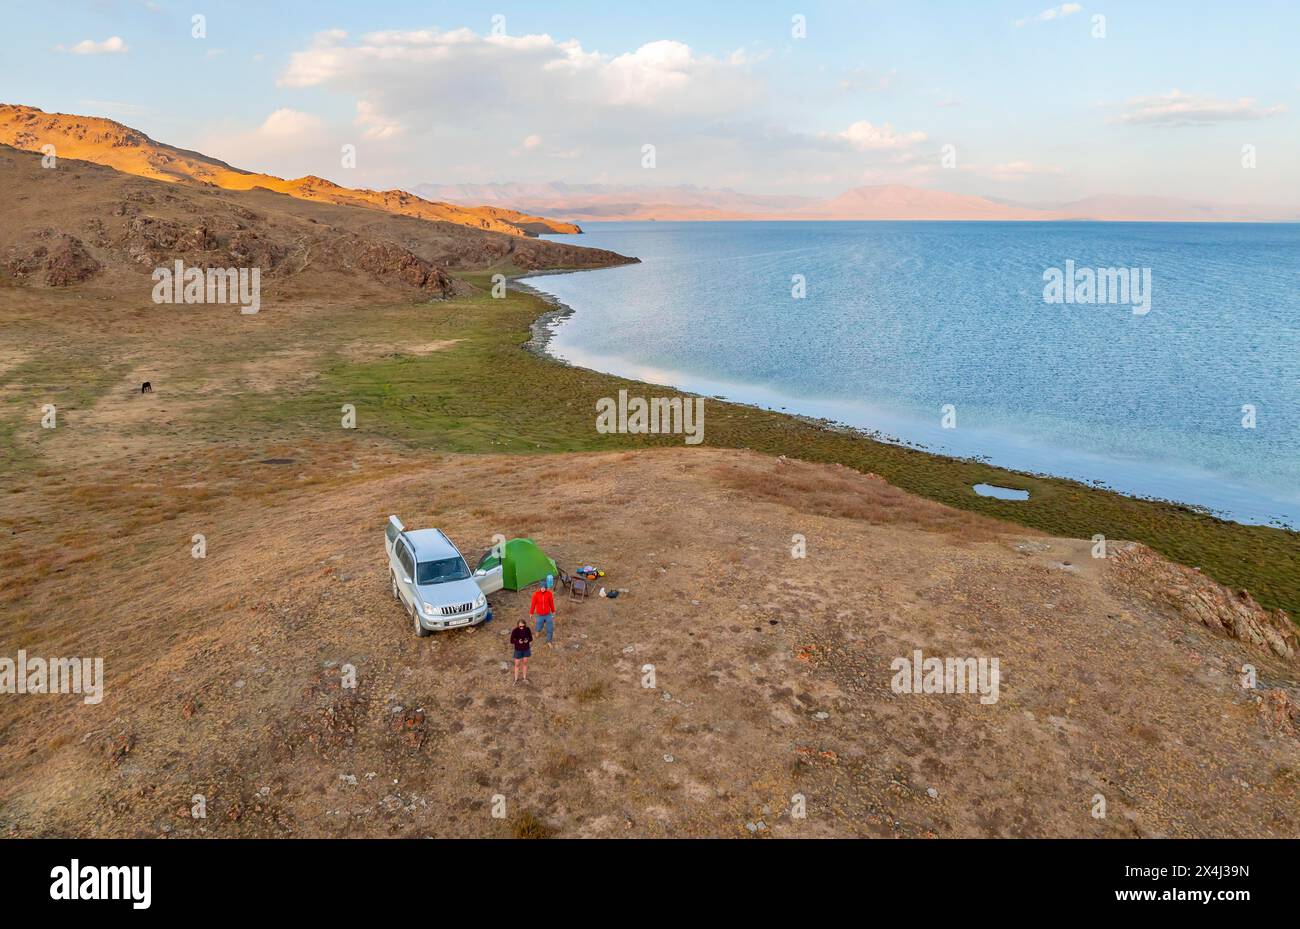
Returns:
(543, 607)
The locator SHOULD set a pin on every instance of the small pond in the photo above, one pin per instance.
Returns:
(1000, 493)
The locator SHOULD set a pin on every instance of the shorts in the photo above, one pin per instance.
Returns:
(523, 653)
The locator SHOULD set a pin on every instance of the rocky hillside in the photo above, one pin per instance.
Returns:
(81, 223)
(103, 141)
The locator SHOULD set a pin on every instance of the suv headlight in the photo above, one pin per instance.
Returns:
(482, 599)
(429, 610)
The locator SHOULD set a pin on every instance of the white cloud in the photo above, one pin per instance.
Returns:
(459, 69)
(287, 143)
(458, 106)
(1051, 13)
(640, 78)
(466, 100)
(289, 123)
(865, 137)
(375, 125)
(113, 45)
(1179, 109)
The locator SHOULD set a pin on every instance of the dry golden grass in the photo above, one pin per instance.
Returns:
(843, 492)
(592, 692)
(528, 826)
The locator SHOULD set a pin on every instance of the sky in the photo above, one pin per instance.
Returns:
(1022, 100)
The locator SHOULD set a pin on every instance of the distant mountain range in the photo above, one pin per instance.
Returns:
(596, 202)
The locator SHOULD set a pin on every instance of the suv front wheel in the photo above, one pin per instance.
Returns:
(419, 629)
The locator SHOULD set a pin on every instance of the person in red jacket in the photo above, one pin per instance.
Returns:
(521, 637)
(543, 607)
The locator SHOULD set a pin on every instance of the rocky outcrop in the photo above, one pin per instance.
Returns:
(532, 255)
(390, 262)
(528, 254)
(248, 249)
(152, 241)
(55, 259)
(1194, 597)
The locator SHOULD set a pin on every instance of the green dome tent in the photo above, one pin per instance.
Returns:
(523, 564)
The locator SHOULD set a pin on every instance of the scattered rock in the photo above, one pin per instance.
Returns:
(413, 728)
(1193, 596)
(1278, 711)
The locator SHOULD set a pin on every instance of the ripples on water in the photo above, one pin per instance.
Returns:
(903, 318)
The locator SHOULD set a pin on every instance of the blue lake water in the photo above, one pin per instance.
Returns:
(901, 320)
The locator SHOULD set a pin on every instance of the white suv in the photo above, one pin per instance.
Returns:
(433, 582)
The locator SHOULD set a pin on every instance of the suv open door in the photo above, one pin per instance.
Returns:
(488, 573)
(392, 531)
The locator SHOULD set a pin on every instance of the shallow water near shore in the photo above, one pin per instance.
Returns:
(904, 319)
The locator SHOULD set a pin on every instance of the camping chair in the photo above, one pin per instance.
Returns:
(565, 579)
(579, 588)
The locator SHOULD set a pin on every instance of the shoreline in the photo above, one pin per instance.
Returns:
(543, 332)
(1262, 559)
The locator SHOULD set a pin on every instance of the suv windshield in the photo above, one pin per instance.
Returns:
(441, 571)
